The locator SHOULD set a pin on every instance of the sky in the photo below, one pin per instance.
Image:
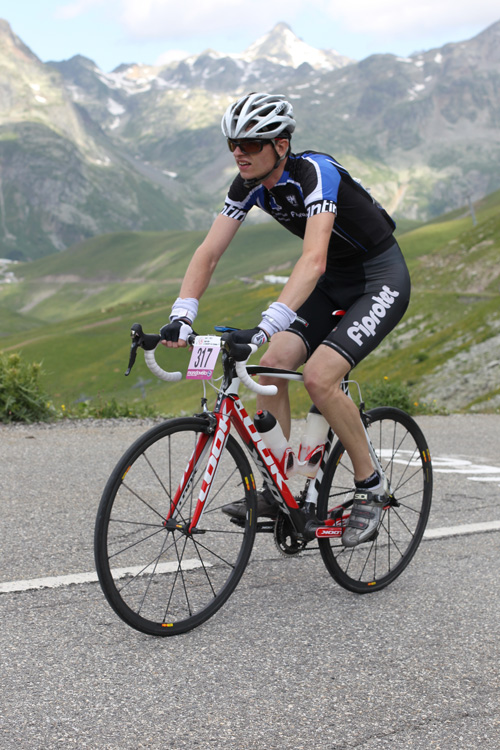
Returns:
(111, 32)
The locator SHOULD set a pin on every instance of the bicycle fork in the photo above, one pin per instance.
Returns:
(209, 442)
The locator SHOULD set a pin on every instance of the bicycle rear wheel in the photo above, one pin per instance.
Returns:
(165, 581)
(403, 454)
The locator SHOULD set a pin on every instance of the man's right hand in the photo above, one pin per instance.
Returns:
(238, 342)
(176, 333)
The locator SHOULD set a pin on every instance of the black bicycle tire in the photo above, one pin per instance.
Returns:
(102, 558)
(337, 558)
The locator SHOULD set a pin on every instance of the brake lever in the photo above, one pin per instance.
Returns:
(136, 334)
(238, 352)
(147, 341)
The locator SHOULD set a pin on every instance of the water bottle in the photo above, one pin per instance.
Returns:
(272, 435)
(312, 446)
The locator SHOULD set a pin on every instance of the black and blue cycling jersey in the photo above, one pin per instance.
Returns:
(313, 183)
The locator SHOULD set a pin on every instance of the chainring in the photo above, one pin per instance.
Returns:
(285, 537)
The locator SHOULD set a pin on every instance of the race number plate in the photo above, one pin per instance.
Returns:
(203, 358)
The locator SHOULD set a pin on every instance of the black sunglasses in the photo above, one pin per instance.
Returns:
(247, 146)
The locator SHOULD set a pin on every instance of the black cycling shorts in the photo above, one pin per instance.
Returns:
(374, 294)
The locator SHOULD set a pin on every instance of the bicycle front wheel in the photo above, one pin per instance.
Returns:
(404, 456)
(158, 576)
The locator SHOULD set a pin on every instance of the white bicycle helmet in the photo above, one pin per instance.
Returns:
(259, 115)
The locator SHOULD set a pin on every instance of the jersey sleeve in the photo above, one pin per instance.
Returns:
(239, 200)
(321, 185)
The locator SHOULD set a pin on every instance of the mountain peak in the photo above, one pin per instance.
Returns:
(11, 45)
(281, 45)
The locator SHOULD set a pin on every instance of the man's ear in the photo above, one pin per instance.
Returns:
(281, 145)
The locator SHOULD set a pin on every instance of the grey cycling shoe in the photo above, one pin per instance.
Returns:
(266, 506)
(365, 517)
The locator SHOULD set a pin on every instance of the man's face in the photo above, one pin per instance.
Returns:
(256, 157)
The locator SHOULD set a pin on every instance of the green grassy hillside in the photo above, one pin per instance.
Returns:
(79, 305)
(134, 267)
(454, 310)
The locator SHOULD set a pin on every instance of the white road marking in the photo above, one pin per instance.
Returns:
(484, 479)
(54, 582)
(464, 529)
(448, 465)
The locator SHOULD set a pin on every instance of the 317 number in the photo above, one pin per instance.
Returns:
(203, 356)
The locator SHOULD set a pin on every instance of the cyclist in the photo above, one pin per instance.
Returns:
(350, 260)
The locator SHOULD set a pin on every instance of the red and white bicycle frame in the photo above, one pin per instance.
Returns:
(229, 412)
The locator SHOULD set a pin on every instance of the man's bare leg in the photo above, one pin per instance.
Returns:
(323, 375)
(286, 350)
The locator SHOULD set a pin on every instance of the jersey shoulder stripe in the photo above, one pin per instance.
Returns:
(319, 176)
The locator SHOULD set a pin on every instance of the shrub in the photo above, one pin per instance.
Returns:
(387, 393)
(23, 400)
(113, 409)
(21, 397)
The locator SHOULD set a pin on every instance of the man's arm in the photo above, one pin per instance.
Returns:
(304, 277)
(196, 280)
(311, 264)
(207, 255)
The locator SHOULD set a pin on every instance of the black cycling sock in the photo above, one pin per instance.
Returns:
(370, 483)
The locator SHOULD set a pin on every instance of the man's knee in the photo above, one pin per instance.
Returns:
(323, 374)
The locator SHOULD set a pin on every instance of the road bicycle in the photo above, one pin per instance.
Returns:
(168, 558)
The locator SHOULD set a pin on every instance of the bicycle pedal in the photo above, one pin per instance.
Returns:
(336, 514)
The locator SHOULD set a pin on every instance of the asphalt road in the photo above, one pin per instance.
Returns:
(291, 661)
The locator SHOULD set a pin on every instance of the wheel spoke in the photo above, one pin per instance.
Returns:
(143, 539)
(178, 579)
(400, 447)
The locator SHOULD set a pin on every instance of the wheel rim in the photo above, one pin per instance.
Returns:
(159, 577)
(403, 454)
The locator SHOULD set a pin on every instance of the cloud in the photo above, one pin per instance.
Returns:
(392, 17)
(172, 55)
(383, 20)
(164, 19)
(76, 8)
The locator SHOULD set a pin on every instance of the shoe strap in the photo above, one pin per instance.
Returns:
(360, 518)
(365, 497)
